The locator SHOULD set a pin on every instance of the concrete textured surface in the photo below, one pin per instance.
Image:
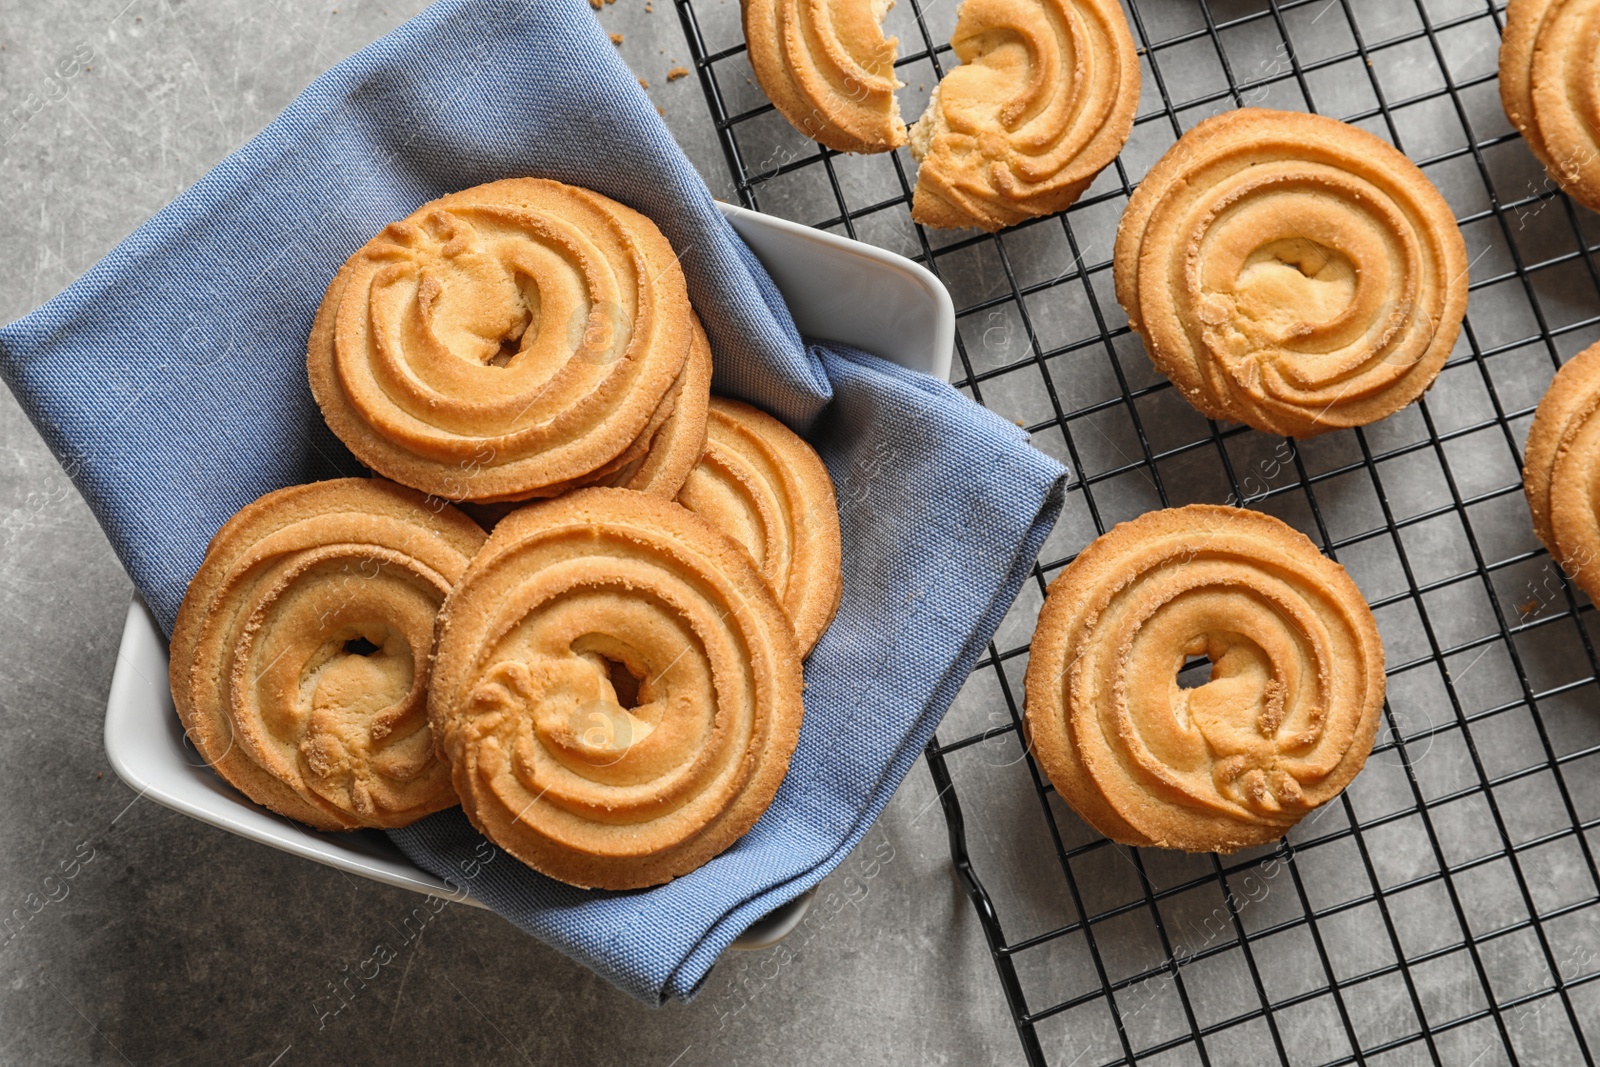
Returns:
(174, 942)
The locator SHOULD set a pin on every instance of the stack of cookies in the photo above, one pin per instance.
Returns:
(609, 683)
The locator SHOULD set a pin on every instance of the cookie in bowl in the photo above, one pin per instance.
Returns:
(762, 486)
(509, 341)
(299, 660)
(616, 689)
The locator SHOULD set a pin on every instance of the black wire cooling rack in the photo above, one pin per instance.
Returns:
(1446, 909)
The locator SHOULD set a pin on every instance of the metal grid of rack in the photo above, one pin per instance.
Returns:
(1446, 909)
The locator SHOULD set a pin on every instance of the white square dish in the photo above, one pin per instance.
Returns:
(838, 290)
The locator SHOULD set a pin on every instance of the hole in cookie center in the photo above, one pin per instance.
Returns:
(511, 343)
(360, 646)
(1309, 258)
(1294, 281)
(1194, 673)
(625, 682)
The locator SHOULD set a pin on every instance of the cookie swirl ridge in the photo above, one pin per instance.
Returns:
(674, 448)
(828, 68)
(1043, 101)
(616, 689)
(1286, 720)
(761, 485)
(1548, 88)
(1561, 469)
(1291, 272)
(507, 341)
(299, 661)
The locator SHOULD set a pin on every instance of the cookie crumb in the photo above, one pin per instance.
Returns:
(595, 4)
(616, 38)
(663, 114)
(677, 72)
(643, 84)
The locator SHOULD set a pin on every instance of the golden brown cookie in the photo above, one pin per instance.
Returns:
(1042, 102)
(763, 486)
(680, 441)
(1547, 87)
(1285, 722)
(616, 688)
(1561, 468)
(828, 69)
(507, 341)
(1291, 272)
(299, 661)
(661, 457)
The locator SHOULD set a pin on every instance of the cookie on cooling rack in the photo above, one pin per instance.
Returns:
(1042, 102)
(1291, 272)
(1561, 466)
(1547, 87)
(1286, 720)
(616, 689)
(299, 661)
(828, 68)
(508, 341)
(760, 484)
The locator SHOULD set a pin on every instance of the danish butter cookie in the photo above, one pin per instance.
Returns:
(1561, 468)
(504, 342)
(680, 441)
(1547, 87)
(763, 486)
(616, 688)
(828, 69)
(1043, 100)
(299, 661)
(1286, 720)
(1291, 272)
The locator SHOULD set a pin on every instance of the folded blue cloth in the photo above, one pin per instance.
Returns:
(170, 381)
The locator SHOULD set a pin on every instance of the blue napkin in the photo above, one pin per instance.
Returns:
(170, 381)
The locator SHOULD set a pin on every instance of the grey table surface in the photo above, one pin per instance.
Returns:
(176, 942)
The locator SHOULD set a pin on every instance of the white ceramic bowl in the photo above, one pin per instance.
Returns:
(838, 290)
